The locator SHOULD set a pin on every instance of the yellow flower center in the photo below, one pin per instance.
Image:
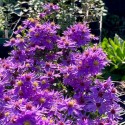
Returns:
(27, 65)
(31, 20)
(19, 83)
(7, 114)
(35, 84)
(48, 41)
(96, 63)
(27, 123)
(43, 81)
(44, 118)
(53, 24)
(71, 103)
(51, 121)
(19, 27)
(18, 36)
(42, 100)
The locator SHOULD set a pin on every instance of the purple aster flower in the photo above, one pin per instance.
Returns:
(84, 121)
(99, 106)
(43, 35)
(70, 106)
(81, 98)
(49, 8)
(66, 43)
(42, 64)
(30, 22)
(114, 111)
(46, 121)
(104, 121)
(80, 33)
(42, 15)
(35, 34)
(25, 119)
(93, 61)
(44, 84)
(64, 122)
(44, 98)
(26, 85)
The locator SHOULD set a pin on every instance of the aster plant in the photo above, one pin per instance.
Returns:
(46, 80)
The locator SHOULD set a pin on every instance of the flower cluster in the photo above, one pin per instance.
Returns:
(80, 33)
(48, 9)
(47, 81)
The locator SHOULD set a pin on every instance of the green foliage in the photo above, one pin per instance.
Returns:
(5, 18)
(115, 50)
(96, 8)
(71, 11)
(1, 19)
(9, 1)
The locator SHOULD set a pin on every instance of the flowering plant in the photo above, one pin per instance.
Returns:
(48, 81)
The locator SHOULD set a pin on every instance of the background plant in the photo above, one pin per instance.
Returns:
(71, 11)
(115, 50)
(1, 22)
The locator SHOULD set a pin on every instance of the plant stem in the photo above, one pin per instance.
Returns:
(15, 27)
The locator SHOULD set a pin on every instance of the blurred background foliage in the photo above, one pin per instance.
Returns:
(71, 11)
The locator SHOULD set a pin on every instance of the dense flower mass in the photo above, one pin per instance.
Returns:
(47, 81)
(80, 33)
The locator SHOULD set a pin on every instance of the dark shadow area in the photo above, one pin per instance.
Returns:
(114, 22)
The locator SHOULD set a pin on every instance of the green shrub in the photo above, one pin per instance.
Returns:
(115, 50)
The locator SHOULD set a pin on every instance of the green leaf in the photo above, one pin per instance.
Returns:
(123, 49)
(119, 53)
(123, 78)
(116, 77)
(114, 68)
(113, 44)
(116, 40)
(104, 43)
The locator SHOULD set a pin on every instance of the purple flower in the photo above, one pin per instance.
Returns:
(46, 121)
(1, 90)
(26, 119)
(42, 15)
(114, 111)
(44, 98)
(66, 43)
(80, 33)
(92, 61)
(30, 22)
(70, 106)
(26, 85)
(49, 8)
(46, 80)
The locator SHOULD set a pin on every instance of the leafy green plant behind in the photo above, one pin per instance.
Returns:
(115, 50)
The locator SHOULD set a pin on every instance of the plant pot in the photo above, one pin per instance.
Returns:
(4, 50)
